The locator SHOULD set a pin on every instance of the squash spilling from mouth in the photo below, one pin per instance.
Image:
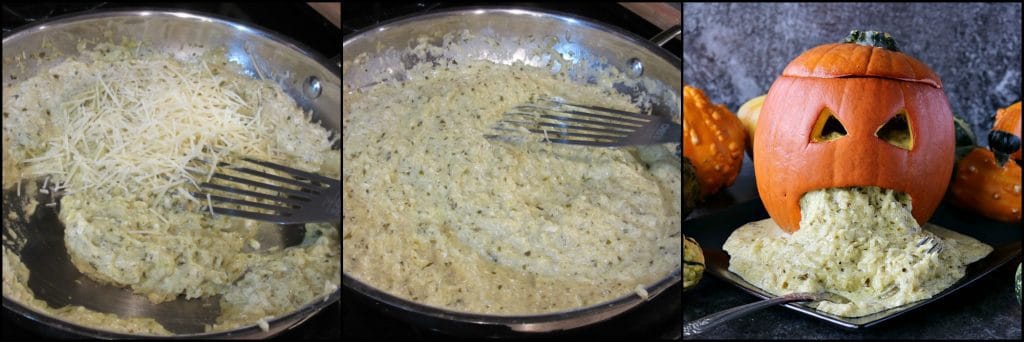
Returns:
(858, 242)
(853, 114)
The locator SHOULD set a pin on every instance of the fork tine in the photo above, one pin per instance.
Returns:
(627, 120)
(615, 133)
(610, 110)
(504, 138)
(265, 186)
(518, 123)
(249, 214)
(243, 202)
(295, 182)
(570, 123)
(590, 122)
(572, 134)
(584, 128)
(253, 194)
(291, 171)
(242, 169)
(586, 142)
(558, 134)
(618, 114)
(556, 140)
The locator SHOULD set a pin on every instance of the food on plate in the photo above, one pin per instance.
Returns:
(713, 140)
(125, 133)
(852, 155)
(437, 214)
(693, 262)
(1004, 139)
(748, 114)
(691, 187)
(838, 118)
(861, 243)
(981, 185)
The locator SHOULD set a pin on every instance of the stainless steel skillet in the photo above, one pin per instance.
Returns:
(582, 47)
(310, 79)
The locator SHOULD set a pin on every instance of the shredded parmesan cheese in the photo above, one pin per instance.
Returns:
(263, 323)
(642, 292)
(183, 113)
(209, 204)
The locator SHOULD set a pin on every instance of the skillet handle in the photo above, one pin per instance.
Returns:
(336, 60)
(667, 35)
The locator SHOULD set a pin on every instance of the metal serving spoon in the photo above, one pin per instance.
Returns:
(713, 320)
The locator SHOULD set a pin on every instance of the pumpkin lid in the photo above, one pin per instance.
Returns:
(862, 54)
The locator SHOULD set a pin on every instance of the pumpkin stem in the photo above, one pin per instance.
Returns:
(1002, 145)
(872, 38)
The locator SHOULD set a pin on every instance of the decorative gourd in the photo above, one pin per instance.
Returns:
(712, 140)
(853, 114)
(965, 138)
(693, 262)
(691, 188)
(984, 187)
(1004, 139)
(748, 114)
(1018, 283)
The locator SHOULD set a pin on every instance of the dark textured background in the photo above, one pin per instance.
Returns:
(735, 51)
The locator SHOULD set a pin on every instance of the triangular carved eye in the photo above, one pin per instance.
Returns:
(897, 132)
(827, 128)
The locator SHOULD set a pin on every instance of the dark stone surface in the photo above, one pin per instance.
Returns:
(735, 51)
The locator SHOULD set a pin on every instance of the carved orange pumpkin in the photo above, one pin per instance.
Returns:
(857, 113)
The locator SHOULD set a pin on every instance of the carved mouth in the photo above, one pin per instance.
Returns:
(864, 199)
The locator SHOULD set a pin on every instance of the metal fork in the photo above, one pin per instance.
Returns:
(935, 242)
(556, 121)
(710, 321)
(311, 197)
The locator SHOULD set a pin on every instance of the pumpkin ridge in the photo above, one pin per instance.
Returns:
(845, 59)
(823, 55)
(871, 60)
(910, 65)
(925, 82)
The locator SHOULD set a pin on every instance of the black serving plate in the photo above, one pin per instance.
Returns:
(711, 231)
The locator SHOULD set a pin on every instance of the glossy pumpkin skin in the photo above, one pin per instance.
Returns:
(986, 188)
(713, 140)
(864, 87)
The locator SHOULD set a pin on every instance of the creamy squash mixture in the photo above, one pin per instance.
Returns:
(437, 214)
(861, 243)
